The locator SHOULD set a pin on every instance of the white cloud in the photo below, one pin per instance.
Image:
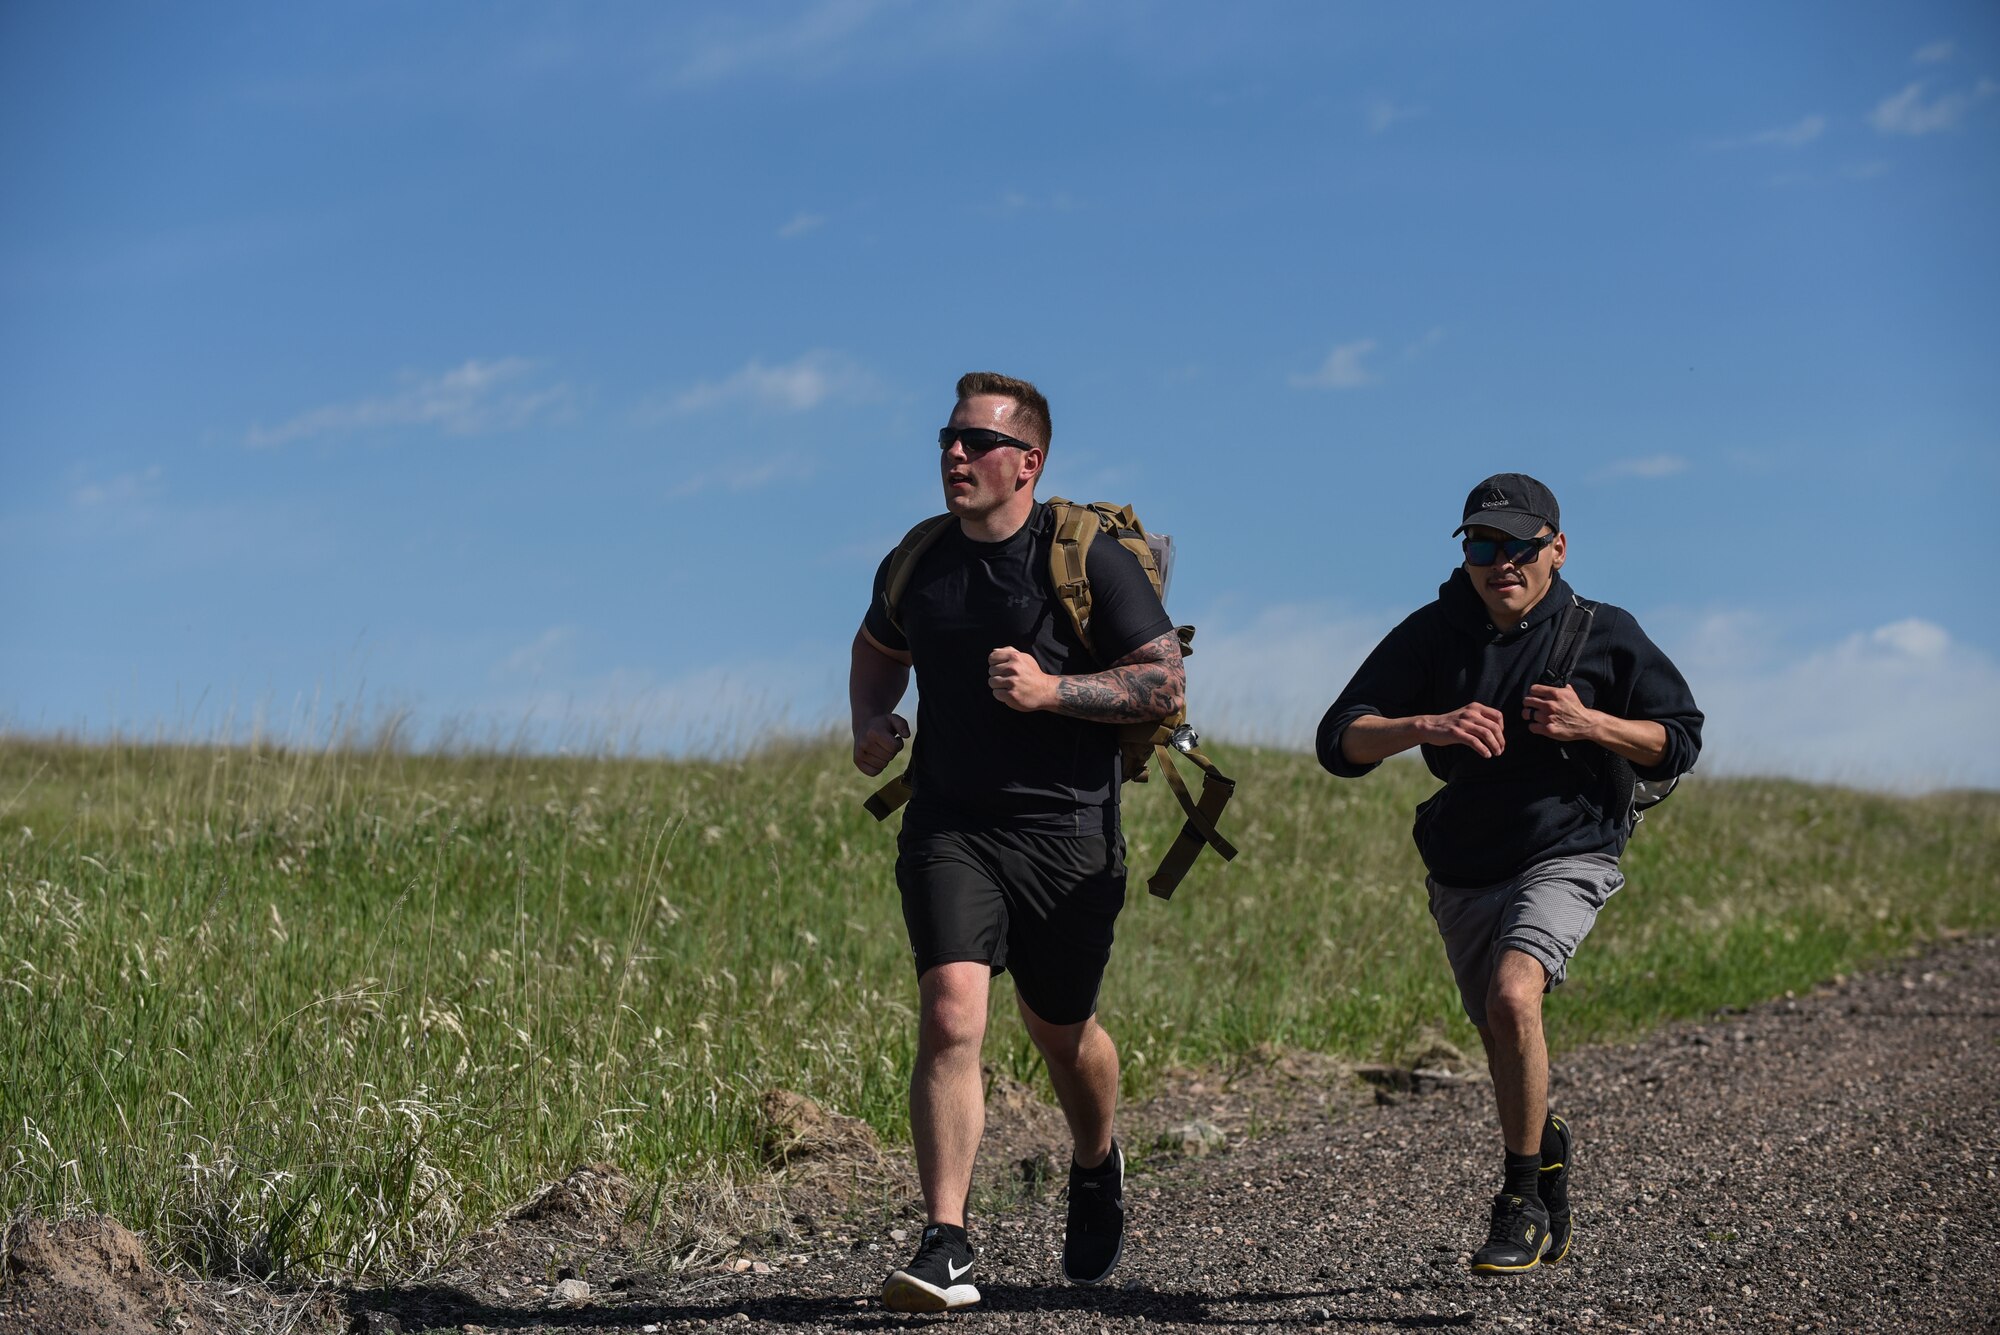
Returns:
(740, 477)
(802, 223)
(1650, 466)
(1431, 338)
(1908, 112)
(1913, 638)
(1382, 114)
(793, 387)
(1935, 53)
(1901, 706)
(810, 40)
(537, 657)
(471, 400)
(136, 522)
(1796, 135)
(122, 489)
(1342, 368)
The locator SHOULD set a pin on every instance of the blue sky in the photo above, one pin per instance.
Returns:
(560, 373)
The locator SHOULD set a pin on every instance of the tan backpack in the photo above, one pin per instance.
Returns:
(1076, 527)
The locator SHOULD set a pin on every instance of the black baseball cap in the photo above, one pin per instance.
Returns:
(1514, 503)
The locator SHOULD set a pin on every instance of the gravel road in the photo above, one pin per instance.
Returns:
(1825, 1163)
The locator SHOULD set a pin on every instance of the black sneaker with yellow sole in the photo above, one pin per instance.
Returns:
(1515, 1238)
(1558, 1149)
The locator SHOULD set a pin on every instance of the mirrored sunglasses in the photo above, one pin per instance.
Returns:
(1520, 551)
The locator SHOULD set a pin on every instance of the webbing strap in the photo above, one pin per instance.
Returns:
(903, 564)
(1076, 527)
(889, 796)
(1203, 821)
(1571, 633)
(1610, 773)
(1198, 830)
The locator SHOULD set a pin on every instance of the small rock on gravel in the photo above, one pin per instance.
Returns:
(1194, 1139)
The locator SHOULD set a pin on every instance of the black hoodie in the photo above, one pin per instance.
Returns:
(1495, 817)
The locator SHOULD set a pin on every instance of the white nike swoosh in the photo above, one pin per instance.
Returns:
(956, 1270)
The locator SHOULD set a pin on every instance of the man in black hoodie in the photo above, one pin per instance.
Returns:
(1522, 842)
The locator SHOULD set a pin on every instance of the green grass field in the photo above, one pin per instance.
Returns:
(326, 1012)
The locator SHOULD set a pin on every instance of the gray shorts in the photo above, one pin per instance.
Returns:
(1544, 912)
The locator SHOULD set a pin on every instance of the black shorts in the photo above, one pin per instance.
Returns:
(1038, 905)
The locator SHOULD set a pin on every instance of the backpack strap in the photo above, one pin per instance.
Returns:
(1570, 636)
(1198, 830)
(903, 563)
(1074, 528)
(889, 796)
(1610, 773)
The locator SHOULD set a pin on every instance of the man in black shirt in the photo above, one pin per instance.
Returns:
(1010, 855)
(1522, 842)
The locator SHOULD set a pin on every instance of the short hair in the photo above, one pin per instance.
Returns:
(1031, 410)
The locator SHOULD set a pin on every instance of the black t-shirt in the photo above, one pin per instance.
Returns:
(978, 764)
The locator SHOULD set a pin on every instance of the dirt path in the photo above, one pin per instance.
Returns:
(1826, 1163)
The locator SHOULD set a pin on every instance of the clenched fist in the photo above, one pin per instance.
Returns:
(877, 741)
(1018, 681)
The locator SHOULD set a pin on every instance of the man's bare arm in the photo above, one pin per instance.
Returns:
(1372, 737)
(1639, 740)
(1147, 684)
(876, 679)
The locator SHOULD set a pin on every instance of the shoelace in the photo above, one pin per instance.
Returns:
(1508, 1212)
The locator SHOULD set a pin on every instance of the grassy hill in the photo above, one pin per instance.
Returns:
(335, 1009)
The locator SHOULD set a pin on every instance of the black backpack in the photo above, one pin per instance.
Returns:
(1623, 794)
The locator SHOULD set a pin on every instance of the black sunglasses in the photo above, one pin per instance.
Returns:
(977, 439)
(1521, 551)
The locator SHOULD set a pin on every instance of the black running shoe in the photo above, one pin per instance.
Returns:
(1515, 1241)
(1553, 1187)
(933, 1280)
(1096, 1233)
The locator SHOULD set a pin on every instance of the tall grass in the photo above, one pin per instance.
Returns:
(325, 1011)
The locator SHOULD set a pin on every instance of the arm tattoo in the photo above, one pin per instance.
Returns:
(1144, 685)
